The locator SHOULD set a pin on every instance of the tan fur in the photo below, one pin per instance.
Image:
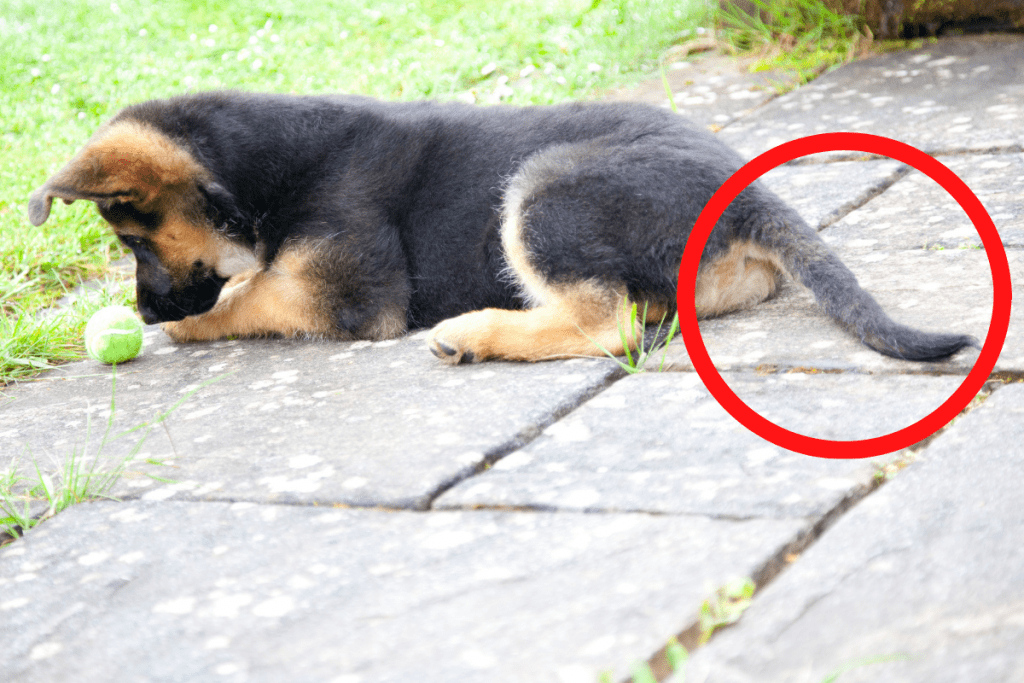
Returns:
(180, 243)
(391, 323)
(533, 287)
(129, 161)
(746, 275)
(577, 321)
(279, 300)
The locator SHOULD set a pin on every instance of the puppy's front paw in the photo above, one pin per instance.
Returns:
(461, 339)
(192, 329)
(177, 331)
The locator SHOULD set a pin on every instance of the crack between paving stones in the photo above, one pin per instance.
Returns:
(995, 381)
(790, 552)
(768, 572)
(524, 438)
(837, 157)
(874, 191)
(538, 508)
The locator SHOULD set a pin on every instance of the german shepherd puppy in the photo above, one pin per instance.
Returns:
(516, 233)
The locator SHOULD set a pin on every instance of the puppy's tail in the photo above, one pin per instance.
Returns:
(809, 260)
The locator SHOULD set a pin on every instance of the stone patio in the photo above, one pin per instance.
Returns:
(357, 513)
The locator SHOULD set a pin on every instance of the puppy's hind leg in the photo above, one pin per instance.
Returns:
(577, 320)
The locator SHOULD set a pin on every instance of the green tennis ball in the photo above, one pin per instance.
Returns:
(113, 335)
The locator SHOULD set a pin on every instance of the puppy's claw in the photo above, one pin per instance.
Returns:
(449, 355)
(438, 352)
(444, 348)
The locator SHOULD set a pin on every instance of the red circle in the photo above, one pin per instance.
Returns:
(887, 443)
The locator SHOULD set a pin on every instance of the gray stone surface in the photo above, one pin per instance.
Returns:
(197, 592)
(917, 213)
(712, 89)
(931, 565)
(685, 454)
(960, 94)
(298, 421)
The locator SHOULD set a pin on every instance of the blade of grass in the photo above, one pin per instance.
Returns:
(832, 677)
(80, 476)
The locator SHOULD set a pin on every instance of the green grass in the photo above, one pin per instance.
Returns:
(30, 342)
(724, 608)
(68, 65)
(83, 474)
(804, 37)
(678, 657)
(636, 359)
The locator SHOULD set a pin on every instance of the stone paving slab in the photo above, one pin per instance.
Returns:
(960, 94)
(918, 288)
(197, 592)
(713, 90)
(917, 213)
(683, 453)
(823, 193)
(931, 565)
(297, 421)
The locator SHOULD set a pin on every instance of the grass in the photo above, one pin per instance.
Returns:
(678, 657)
(805, 37)
(80, 475)
(30, 342)
(636, 359)
(723, 608)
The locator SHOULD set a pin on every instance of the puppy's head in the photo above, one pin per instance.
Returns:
(156, 197)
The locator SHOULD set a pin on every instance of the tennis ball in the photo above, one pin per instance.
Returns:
(113, 334)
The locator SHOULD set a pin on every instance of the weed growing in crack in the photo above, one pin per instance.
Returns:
(80, 476)
(637, 363)
(725, 607)
(677, 657)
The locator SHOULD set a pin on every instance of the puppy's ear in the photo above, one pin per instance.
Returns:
(125, 162)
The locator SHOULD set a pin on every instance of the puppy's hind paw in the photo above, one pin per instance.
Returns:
(450, 355)
(452, 340)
